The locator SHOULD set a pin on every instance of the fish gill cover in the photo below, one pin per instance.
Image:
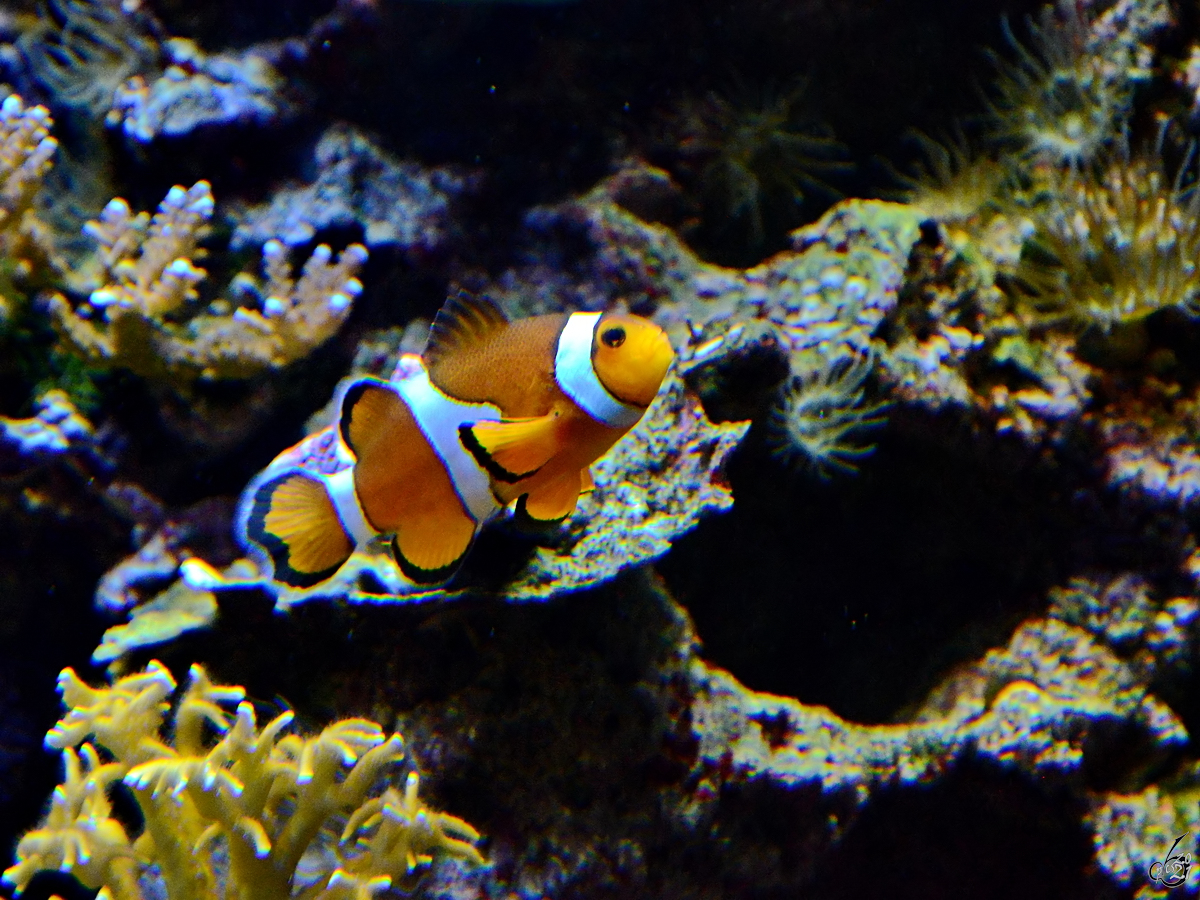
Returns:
(946, 407)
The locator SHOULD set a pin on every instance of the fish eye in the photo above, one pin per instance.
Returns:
(613, 337)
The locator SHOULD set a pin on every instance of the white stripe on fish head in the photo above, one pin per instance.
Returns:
(576, 376)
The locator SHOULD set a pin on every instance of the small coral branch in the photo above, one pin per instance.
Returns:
(148, 262)
(241, 810)
(144, 319)
(26, 154)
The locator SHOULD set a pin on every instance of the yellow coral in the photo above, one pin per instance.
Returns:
(267, 799)
(1061, 98)
(79, 834)
(403, 829)
(1114, 242)
(951, 181)
(141, 319)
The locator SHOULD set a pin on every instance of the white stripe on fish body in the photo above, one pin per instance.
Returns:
(439, 417)
(345, 500)
(577, 377)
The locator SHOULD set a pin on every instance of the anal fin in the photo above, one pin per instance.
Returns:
(293, 519)
(512, 449)
(553, 501)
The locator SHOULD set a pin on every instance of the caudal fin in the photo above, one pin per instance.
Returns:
(293, 520)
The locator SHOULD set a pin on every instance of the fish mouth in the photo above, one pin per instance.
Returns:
(654, 360)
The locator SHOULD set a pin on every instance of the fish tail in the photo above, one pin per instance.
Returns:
(291, 518)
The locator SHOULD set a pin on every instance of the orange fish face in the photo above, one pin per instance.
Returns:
(631, 356)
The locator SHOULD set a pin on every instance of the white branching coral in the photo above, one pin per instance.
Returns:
(148, 262)
(241, 810)
(144, 317)
(26, 154)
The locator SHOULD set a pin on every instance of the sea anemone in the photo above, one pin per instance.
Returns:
(1114, 242)
(1055, 99)
(822, 416)
(83, 50)
(755, 155)
(951, 181)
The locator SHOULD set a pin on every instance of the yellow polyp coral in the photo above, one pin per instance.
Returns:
(1057, 99)
(79, 834)
(952, 182)
(230, 809)
(400, 826)
(144, 317)
(82, 50)
(756, 155)
(824, 416)
(1113, 243)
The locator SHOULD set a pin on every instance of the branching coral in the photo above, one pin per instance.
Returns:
(232, 817)
(142, 318)
(1114, 243)
(26, 154)
(823, 415)
(1058, 98)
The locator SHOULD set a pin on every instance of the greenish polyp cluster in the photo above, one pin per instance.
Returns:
(1114, 244)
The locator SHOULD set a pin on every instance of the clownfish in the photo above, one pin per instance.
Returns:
(494, 415)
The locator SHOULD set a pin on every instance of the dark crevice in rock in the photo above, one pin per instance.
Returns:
(980, 832)
(863, 592)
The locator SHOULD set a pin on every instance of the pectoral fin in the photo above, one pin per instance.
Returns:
(552, 502)
(512, 449)
(587, 484)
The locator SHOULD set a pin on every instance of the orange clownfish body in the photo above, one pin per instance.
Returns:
(497, 412)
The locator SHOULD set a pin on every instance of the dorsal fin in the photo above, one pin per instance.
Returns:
(463, 320)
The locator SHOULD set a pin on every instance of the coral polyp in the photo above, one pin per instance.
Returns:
(1114, 243)
(83, 50)
(1054, 99)
(820, 422)
(755, 153)
(951, 181)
